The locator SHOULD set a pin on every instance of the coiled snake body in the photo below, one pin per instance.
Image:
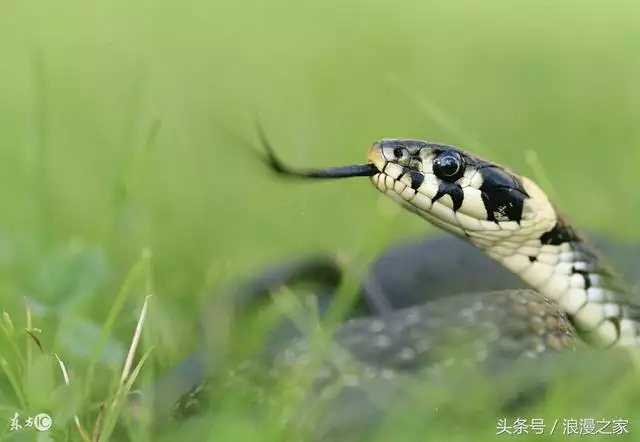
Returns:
(508, 217)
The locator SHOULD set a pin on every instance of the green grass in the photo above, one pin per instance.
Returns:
(125, 127)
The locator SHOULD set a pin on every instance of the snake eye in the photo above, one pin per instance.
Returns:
(449, 165)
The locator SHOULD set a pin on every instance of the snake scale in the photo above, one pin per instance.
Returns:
(574, 294)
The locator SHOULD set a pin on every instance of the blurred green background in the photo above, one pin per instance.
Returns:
(127, 126)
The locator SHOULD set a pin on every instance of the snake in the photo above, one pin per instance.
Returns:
(573, 294)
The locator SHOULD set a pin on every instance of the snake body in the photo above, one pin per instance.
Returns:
(508, 217)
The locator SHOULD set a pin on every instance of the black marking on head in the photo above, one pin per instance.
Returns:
(503, 194)
(559, 234)
(416, 178)
(453, 190)
(533, 258)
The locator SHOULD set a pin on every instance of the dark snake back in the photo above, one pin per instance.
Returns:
(484, 330)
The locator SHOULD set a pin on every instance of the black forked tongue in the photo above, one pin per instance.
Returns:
(280, 168)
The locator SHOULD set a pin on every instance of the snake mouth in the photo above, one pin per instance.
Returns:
(422, 193)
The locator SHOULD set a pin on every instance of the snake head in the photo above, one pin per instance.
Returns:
(456, 190)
